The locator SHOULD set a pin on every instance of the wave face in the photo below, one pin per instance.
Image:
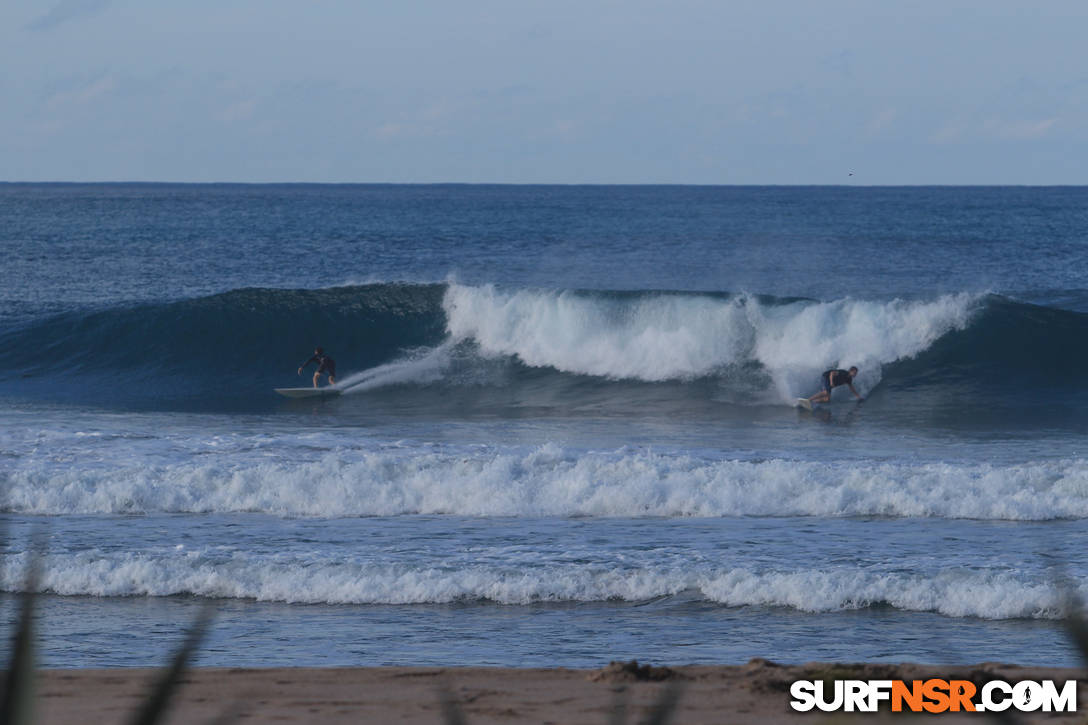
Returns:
(233, 347)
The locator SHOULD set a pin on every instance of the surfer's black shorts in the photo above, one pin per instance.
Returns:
(826, 380)
(327, 366)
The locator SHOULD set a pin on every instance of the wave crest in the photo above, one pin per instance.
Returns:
(665, 336)
(216, 573)
(237, 346)
(553, 481)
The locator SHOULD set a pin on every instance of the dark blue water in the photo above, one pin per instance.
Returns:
(566, 432)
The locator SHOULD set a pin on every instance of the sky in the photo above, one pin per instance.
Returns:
(545, 91)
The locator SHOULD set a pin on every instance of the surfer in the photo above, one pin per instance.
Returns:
(833, 379)
(325, 364)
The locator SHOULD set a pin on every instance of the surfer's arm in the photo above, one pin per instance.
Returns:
(303, 365)
(856, 395)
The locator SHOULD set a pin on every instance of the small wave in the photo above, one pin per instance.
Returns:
(237, 574)
(551, 481)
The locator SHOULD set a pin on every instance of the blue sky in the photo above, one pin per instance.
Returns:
(545, 91)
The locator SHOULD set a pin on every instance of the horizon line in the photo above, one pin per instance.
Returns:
(530, 183)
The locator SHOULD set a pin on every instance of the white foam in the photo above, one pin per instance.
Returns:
(678, 337)
(297, 478)
(311, 579)
(955, 593)
(650, 338)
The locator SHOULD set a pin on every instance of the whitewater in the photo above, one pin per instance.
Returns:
(337, 475)
(565, 436)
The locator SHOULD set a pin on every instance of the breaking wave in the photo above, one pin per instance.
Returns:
(237, 574)
(547, 480)
(231, 349)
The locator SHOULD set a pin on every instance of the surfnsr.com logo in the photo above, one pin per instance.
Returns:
(933, 696)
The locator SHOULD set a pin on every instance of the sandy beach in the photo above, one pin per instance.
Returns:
(752, 693)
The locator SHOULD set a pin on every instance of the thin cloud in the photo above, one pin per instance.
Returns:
(949, 133)
(563, 127)
(881, 121)
(1024, 129)
(83, 94)
(67, 10)
(994, 128)
(239, 111)
(389, 130)
(841, 63)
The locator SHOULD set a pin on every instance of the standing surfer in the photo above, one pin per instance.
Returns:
(325, 364)
(833, 379)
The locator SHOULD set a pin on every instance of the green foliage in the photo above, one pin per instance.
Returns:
(17, 699)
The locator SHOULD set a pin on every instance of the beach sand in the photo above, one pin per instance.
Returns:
(752, 693)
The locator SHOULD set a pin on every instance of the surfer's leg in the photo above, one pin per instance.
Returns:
(316, 376)
(824, 395)
(332, 379)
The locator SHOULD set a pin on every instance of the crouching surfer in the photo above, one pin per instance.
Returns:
(833, 379)
(325, 364)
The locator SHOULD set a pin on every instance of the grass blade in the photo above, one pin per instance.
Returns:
(665, 706)
(18, 699)
(451, 711)
(156, 705)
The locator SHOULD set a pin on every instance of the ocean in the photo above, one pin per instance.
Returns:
(566, 434)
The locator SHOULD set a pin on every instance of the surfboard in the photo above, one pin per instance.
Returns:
(803, 403)
(308, 392)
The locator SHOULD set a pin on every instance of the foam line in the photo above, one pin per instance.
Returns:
(547, 480)
(334, 579)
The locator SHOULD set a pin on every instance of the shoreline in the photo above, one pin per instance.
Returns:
(756, 693)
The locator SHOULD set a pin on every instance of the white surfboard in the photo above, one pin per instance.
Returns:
(803, 403)
(310, 392)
